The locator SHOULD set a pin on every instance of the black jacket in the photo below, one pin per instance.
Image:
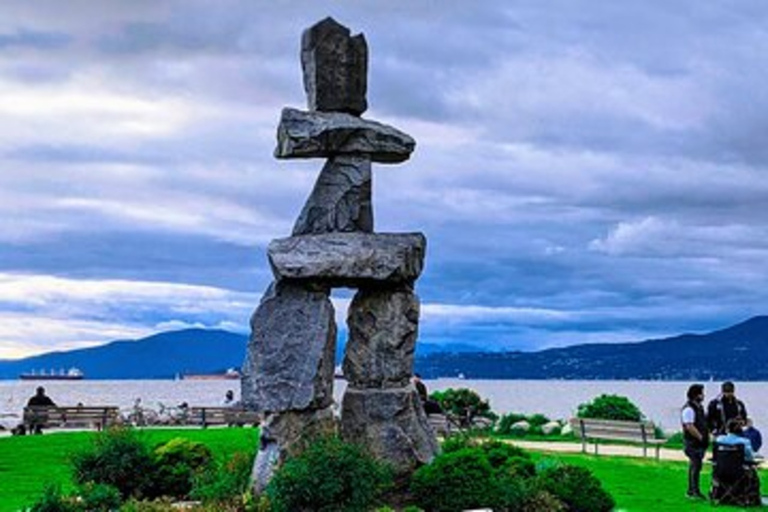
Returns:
(700, 422)
(720, 411)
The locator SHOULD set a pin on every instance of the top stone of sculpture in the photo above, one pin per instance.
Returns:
(335, 67)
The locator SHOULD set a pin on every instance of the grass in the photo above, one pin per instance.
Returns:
(27, 463)
(645, 485)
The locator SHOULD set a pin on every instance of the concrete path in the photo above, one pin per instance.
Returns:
(603, 449)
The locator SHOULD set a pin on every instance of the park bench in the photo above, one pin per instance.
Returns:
(634, 432)
(76, 416)
(205, 416)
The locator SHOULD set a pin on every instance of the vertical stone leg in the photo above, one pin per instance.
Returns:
(289, 363)
(288, 371)
(380, 408)
(287, 433)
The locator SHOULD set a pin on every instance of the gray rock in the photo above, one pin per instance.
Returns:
(349, 259)
(290, 357)
(383, 325)
(287, 433)
(521, 426)
(391, 423)
(341, 199)
(335, 68)
(321, 135)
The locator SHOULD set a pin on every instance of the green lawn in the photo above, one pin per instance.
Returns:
(645, 485)
(27, 463)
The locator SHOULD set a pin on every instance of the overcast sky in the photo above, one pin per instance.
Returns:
(585, 171)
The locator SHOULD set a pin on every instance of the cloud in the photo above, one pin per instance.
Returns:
(580, 168)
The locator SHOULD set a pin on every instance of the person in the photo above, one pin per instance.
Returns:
(725, 407)
(695, 437)
(40, 399)
(229, 399)
(754, 435)
(733, 437)
(430, 406)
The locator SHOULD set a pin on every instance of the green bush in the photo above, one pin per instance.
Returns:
(542, 501)
(577, 488)
(100, 497)
(536, 421)
(459, 480)
(329, 476)
(117, 458)
(224, 482)
(463, 404)
(177, 462)
(500, 454)
(610, 407)
(456, 443)
(52, 500)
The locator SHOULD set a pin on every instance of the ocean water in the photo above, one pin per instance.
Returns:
(659, 400)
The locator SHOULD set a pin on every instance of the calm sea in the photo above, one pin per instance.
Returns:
(660, 401)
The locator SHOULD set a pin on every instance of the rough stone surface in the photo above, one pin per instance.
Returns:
(391, 423)
(335, 68)
(321, 135)
(341, 199)
(290, 358)
(349, 259)
(383, 325)
(286, 433)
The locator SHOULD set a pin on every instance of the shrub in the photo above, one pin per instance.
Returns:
(456, 443)
(52, 500)
(542, 501)
(100, 497)
(454, 481)
(224, 482)
(329, 476)
(610, 407)
(577, 488)
(176, 464)
(464, 404)
(499, 454)
(535, 421)
(117, 458)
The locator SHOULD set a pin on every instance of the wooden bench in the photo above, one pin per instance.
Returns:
(76, 416)
(205, 416)
(635, 432)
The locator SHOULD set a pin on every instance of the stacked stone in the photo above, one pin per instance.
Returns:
(289, 367)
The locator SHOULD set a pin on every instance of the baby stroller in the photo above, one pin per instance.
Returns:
(734, 481)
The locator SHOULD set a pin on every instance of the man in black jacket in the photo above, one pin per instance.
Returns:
(725, 408)
(695, 436)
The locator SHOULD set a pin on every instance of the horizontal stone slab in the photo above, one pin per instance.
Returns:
(349, 259)
(326, 134)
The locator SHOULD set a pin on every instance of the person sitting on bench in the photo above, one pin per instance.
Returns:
(40, 399)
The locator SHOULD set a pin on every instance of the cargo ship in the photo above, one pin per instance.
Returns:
(71, 374)
(230, 374)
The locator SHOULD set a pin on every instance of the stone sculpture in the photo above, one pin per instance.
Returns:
(289, 366)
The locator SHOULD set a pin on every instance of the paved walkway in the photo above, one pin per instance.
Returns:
(603, 449)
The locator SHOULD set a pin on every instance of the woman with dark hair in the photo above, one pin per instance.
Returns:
(696, 437)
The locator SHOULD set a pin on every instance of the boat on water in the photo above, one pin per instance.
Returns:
(71, 374)
(230, 374)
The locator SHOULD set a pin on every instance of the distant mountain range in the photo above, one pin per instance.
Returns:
(161, 356)
(737, 352)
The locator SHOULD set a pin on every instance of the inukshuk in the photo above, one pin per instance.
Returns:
(289, 367)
